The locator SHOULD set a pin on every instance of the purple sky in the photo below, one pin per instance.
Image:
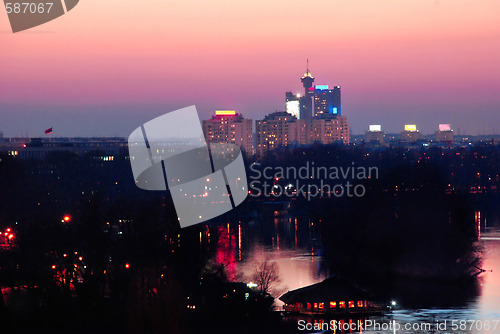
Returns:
(107, 67)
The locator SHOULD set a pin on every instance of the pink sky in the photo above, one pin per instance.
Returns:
(398, 61)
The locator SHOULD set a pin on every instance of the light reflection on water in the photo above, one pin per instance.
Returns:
(293, 243)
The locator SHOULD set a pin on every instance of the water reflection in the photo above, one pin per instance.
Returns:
(276, 235)
(293, 242)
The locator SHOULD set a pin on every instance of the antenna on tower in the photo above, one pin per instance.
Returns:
(307, 67)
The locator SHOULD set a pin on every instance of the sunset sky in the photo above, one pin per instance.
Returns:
(108, 66)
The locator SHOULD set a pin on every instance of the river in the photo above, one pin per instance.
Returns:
(294, 244)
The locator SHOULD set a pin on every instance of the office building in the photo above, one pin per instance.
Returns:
(410, 134)
(326, 100)
(375, 135)
(444, 134)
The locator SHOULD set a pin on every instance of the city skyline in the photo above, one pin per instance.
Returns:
(422, 63)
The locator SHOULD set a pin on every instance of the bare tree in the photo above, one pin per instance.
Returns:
(266, 275)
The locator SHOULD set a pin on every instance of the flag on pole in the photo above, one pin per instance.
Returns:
(48, 131)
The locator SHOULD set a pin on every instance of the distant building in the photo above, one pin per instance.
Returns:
(40, 148)
(227, 126)
(327, 125)
(329, 128)
(326, 100)
(306, 101)
(410, 134)
(375, 135)
(279, 129)
(444, 134)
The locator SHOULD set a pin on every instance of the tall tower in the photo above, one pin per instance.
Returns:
(307, 80)
(306, 105)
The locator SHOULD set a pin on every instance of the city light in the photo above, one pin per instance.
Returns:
(66, 218)
(444, 127)
(410, 127)
(127, 266)
(225, 112)
(293, 107)
(375, 128)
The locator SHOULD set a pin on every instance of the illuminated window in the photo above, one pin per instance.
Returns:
(333, 304)
(309, 306)
(351, 304)
(321, 306)
(342, 304)
(315, 305)
(360, 303)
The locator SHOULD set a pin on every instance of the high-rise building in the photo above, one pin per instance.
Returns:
(298, 125)
(329, 128)
(326, 100)
(277, 130)
(306, 101)
(227, 126)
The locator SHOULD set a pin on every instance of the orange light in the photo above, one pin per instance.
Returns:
(67, 218)
(54, 266)
(225, 112)
(11, 236)
(8, 230)
(80, 258)
(64, 255)
(127, 266)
